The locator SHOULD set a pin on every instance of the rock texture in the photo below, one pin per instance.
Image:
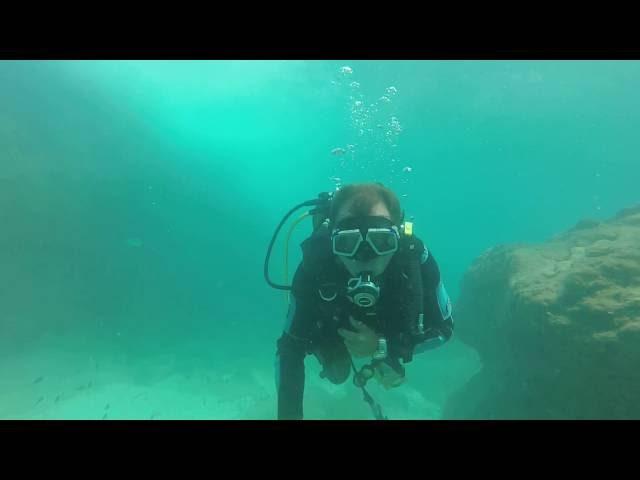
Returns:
(557, 326)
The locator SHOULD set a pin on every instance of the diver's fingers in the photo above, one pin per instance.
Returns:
(360, 326)
(348, 335)
(354, 348)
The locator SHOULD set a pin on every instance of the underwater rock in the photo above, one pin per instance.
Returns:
(585, 224)
(556, 325)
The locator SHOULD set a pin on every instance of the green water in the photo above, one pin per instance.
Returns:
(137, 199)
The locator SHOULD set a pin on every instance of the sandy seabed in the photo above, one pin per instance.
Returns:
(58, 382)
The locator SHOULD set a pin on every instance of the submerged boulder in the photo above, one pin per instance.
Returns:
(556, 325)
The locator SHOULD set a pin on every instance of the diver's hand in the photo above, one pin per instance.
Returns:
(388, 376)
(361, 343)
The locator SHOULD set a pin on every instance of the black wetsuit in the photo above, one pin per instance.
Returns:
(318, 308)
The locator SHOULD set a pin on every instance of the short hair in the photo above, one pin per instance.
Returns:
(362, 197)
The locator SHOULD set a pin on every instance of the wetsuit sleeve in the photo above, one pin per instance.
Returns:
(438, 318)
(292, 348)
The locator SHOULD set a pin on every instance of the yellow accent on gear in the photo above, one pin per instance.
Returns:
(408, 228)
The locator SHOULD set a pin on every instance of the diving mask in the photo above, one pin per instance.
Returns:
(365, 238)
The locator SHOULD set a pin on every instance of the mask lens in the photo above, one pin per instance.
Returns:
(383, 241)
(346, 242)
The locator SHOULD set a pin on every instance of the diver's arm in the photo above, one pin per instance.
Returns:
(438, 319)
(290, 377)
(292, 349)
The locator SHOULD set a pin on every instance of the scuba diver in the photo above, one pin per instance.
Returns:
(366, 287)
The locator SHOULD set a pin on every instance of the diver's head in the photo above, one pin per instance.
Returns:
(364, 221)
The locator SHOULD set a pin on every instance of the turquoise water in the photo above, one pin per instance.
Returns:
(137, 199)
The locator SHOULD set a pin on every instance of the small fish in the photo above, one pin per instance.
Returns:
(104, 417)
(338, 151)
(57, 399)
(106, 407)
(39, 400)
(134, 242)
(90, 384)
(38, 380)
(154, 415)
